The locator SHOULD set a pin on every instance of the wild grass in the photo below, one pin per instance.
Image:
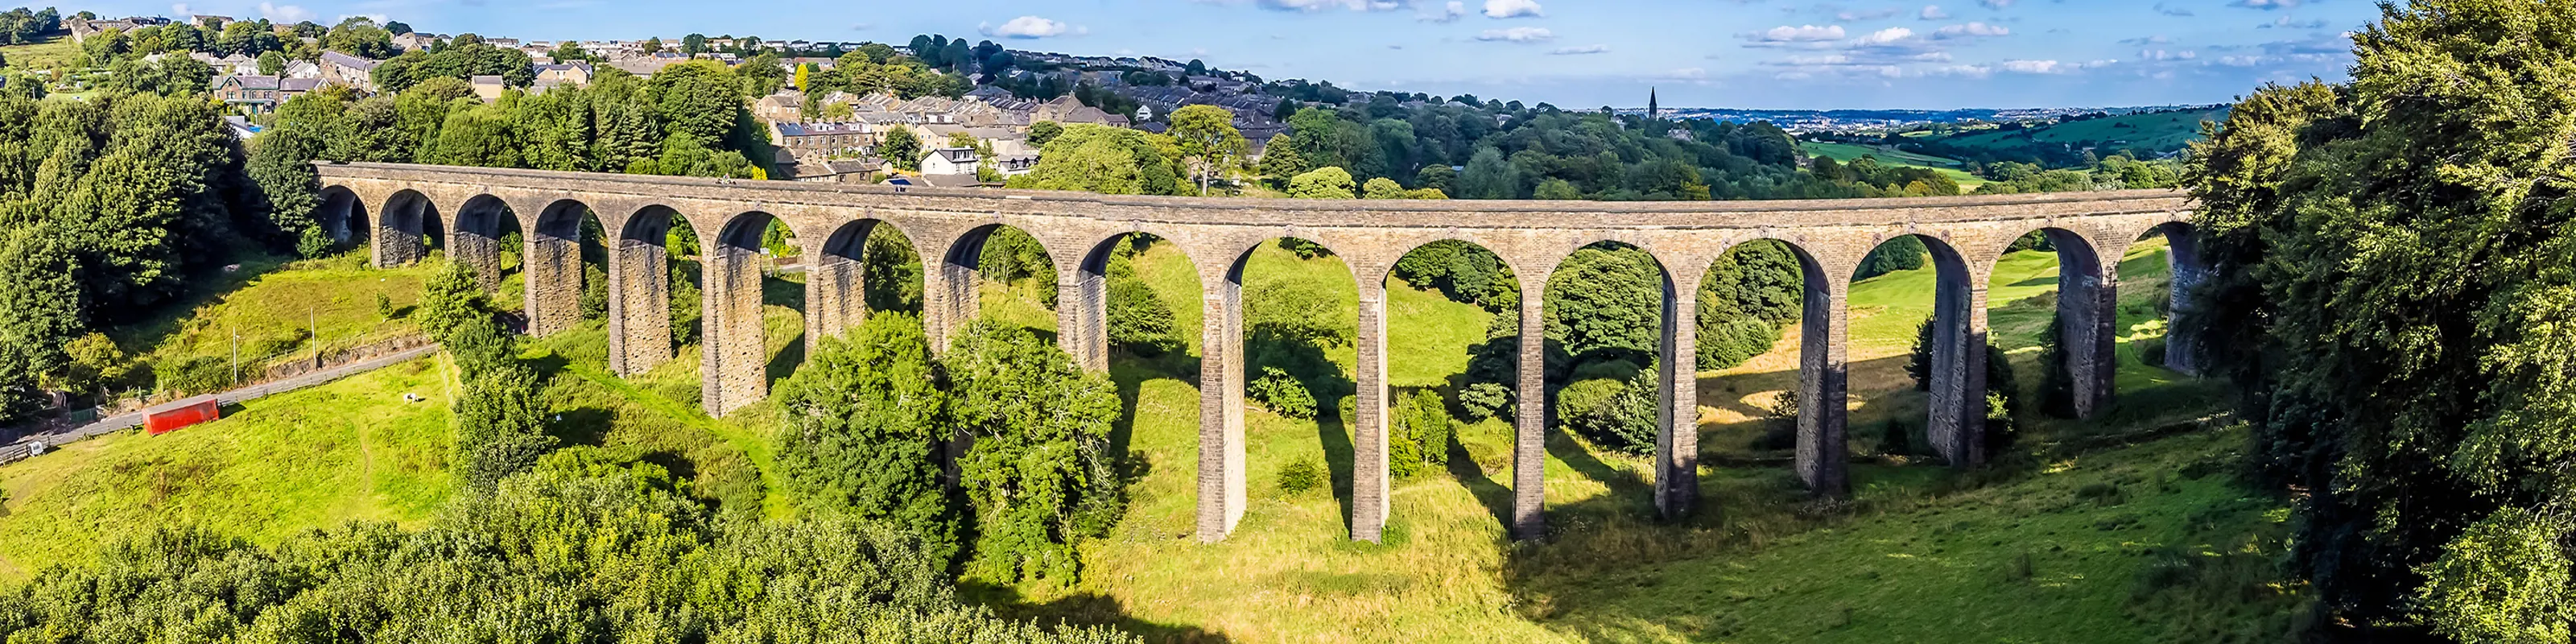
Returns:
(275, 305)
(349, 450)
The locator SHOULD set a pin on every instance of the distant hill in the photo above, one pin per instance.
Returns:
(2147, 135)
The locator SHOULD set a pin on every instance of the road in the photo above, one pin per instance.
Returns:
(253, 392)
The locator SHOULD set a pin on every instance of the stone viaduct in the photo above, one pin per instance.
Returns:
(397, 205)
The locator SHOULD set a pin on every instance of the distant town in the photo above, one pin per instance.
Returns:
(838, 137)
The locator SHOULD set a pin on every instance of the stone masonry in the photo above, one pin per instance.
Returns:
(947, 228)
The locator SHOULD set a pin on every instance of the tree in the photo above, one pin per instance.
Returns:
(864, 428)
(699, 98)
(271, 63)
(902, 148)
(1209, 142)
(1280, 160)
(2407, 359)
(1039, 477)
(1419, 437)
(1385, 188)
(1322, 183)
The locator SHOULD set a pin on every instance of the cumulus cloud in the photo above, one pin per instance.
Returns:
(1512, 9)
(1971, 30)
(1933, 12)
(1801, 33)
(1884, 37)
(284, 13)
(1027, 28)
(1518, 34)
(1579, 51)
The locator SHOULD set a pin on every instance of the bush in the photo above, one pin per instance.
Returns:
(1780, 423)
(1896, 439)
(1484, 400)
(1418, 434)
(1282, 394)
(2003, 403)
(198, 375)
(1301, 477)
(1918, 362)
(1617, 415)
(1727, 343)
(594, 293)
(863, 429)
(1040, 476)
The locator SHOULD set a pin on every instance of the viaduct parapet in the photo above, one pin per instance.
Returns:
(396, 206)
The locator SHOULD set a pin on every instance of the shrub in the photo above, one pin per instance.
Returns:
(1780, 424)
(1040, 475)
(594, 293)
(1484, 400)
(1282, 394)
(198, 375)
(1918, 362)
(1418, 434)
(1301, 477)
(1727, 343)
(1617, 415)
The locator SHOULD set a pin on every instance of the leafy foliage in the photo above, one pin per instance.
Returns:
(1038, 473)
(1418, 434)
(864, 423)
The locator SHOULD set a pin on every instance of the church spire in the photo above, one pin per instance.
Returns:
(1651, 108)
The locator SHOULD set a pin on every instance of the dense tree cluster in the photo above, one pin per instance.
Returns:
(105, 206)
(581, 548)
(23, 26)
(873, 420)
(2392, 291)
(461, 58)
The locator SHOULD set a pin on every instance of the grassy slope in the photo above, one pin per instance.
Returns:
(1846, 152)
(273, 304)
(349, 450)
(58, 51)
(1290, 574)
(2168, 131)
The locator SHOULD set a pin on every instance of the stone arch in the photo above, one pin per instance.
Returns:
(1235, 355)
(735, 263)
(406, 228)
(476, 239)
(2087, 312)
(1083, 303)
(837, 276)
(343, 215)
(1433, 259)
(554, 264)
(1581, 356)
(2186, 270)
(962, 271)
(639, 288)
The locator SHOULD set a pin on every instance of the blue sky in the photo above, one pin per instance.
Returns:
(1926, 54)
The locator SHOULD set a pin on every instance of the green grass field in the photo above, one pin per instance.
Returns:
(1846, 152)
(57, 52)
(351, 450)
(2032, 552)
(2161, 132)
(273, 306)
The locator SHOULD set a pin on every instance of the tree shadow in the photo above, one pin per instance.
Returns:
(584, 426)
(1496, 498)
(780, 292)
(1084, 609)
(1334, 432)
(788, 359)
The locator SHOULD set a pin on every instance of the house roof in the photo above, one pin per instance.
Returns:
(821, 128)
(245, 82)
(352, 62)
(955, 155)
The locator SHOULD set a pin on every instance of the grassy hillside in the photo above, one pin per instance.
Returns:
(273, 305)
(2033, 551)
(346, 451)
(1846, 152)
(2160, 134)
(57, 52)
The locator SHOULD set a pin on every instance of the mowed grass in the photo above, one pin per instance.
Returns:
(1846, 152)
(350, 450)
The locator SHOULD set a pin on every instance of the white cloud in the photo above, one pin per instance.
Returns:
(1512, 9)
(1933, 12)
(2160, 54)
(1320, 5)
(1028, 27)
(284, 13)
(2266, 5)
(1578, 51)
(1971, 30)
(1518, 35)
(2038, 67)
(1450, 12)
(181, 10)
(1858, 16)
(1801, 33)
(1996, 4)
(1884, 37)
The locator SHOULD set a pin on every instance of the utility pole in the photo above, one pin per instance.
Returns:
(236, 329)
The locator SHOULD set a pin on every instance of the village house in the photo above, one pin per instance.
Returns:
(352, 71)
(821, 141)
(864, 170)
(489, 88)
(233, 65)
(302, 69)
(782, 107)
(416, 41)
(1068, 111)
(259, 94)
(950, 161)
(576, 74)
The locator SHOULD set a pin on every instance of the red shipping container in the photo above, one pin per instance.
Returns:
(164, 422)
